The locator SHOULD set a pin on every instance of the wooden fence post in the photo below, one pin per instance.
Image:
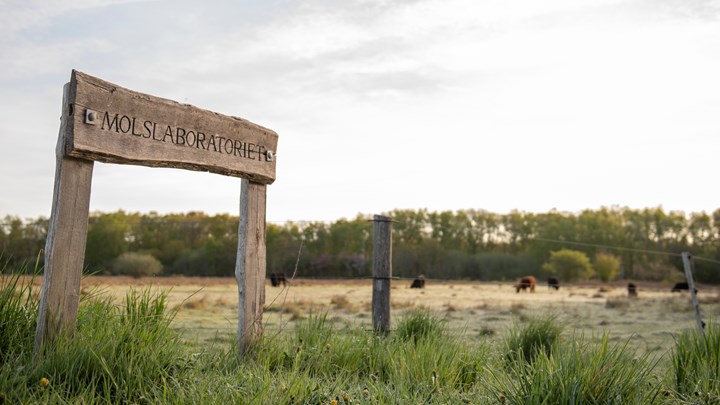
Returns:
(65, 244)
(687, 264)
(382, 272)
(251, 262)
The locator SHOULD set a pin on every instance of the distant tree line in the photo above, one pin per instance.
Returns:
(639, 244)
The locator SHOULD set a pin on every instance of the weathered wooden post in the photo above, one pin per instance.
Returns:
(105, 122)
(687, 265)
(382, 272)
(67, 233)
(250, 264)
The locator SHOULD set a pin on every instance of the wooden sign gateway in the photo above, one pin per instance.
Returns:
(105, 122)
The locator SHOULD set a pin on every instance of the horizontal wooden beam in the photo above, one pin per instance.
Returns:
(116, 125)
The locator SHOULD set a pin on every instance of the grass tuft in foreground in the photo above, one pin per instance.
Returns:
(536, 336)
(696, 365)
(578, 373)
(18, 311)
(117, 354)
(419, 324)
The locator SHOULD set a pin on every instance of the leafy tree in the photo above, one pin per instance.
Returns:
(569, 265)
(607, 266)
(108, 237)
(22, 241)
(410, 227)
(470, 244)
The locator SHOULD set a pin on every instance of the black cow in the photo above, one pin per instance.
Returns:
(419, 282)
(278, 278)
(681, 287)
(553, 282)
(632, 290)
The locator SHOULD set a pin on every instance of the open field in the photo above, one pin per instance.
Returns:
(472, 343)
(207, 307)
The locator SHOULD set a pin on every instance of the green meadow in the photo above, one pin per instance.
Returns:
(173, 341)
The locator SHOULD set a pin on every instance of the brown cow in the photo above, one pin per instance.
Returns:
(525, 283)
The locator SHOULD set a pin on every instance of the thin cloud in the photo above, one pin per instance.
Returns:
(493, 104)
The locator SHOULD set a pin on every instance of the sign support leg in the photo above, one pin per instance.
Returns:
(65, 244)
(251, 262)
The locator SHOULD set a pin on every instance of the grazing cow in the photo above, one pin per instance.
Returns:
(632, 290)
(527, 282)
(681, 287)
(419, 282)
(553, 282)
(278, 278)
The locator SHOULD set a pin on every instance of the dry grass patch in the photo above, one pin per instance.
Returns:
(197, 303)
(516, 308)
(709, 299)
(398, 304)
(494, 304)
(341, 302)
(617, 303)
(296, 309)
(224, 302)
(681, 304)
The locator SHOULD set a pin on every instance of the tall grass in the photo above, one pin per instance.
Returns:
(18, 310)
(417, 362)
(696, 365)
(419, 324)
(130, 353)
(537, 336)
(117, 354)
(578, 373)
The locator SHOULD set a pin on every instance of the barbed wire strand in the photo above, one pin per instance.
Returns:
(655, 252)
(706, 259)
(286, 289)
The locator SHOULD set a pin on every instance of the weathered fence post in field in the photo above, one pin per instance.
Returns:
(382, 272)
(250, 264)
(67, 233)
(687, 265)
(107, 123)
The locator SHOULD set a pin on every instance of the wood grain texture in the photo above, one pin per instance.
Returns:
(136, 128)
(382, 272)
(687, 266)
(251, 263)
(65, 244)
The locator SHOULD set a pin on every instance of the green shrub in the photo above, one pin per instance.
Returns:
(137, 265)
(569, 265)
(607, 266)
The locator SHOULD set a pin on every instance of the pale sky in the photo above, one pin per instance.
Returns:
(409, 104)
